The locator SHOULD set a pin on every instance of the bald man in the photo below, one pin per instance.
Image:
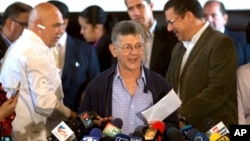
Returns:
(30, 61)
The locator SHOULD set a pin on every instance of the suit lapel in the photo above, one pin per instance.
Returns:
(198, 46)
(70, 49)
(3, 46)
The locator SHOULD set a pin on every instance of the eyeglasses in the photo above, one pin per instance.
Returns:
(171, 21)
(127, 48)
(21, 23)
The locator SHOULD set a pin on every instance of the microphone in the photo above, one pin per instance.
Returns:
(63, 132)
(94, 135)
(218, 137)
(174, 134)
(160, 127)
(137, 136)
(79, 125)
(151, 134)
(220, 128)
(122, 137)
(87, 118)
(185, 131)
(195, 135)
(82, 123)
(113, 128)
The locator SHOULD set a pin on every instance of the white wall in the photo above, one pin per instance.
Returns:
(118, 5)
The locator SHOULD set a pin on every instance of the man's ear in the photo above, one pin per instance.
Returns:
(225, 17)
(113, 50)
(8, 23)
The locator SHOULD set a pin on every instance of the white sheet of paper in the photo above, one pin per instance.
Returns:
(163, 108)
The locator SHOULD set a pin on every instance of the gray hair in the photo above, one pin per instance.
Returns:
(127, 27)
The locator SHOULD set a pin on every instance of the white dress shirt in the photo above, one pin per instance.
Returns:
(39, 107)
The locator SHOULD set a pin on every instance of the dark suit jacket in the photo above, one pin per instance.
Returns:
(163, 45)
(80, 66)
(208, 80)
(98, 95)
(241, 45)
(3, 46)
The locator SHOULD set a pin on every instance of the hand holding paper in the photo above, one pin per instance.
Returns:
(163, 108)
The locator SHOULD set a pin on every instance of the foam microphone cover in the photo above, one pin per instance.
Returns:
(174, 134)
(195, 135)
(137, 136)
(95, 132)
(117, 122)
(113, 128)
(159, 125)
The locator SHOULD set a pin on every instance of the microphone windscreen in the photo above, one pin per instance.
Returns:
(195, 135)
(159, 125)
(214, 136)
(113, 128)
(191, 134)
(137, 136)
(95, 132)
(122, 137)
(117, 122)
(174, 134)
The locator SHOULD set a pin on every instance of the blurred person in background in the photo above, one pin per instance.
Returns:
(77, 62)
(13, 21)
(243, 88)
(7, 114)
(215, 13)
(159, 42)
(96, 25)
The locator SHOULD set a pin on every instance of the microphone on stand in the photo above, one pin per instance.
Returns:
(195, 135)
(174, 134)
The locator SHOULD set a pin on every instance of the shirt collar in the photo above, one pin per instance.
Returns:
(62, 40)
(152, 28)
(117, 74)
(196, 36)
(6, 40)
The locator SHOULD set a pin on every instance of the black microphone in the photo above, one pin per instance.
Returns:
(113, 128)
(195, 135)
(137, 136)
(122, 137)
(174, 134)
(80, 126)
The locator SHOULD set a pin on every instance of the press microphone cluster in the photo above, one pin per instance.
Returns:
(74, 129)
